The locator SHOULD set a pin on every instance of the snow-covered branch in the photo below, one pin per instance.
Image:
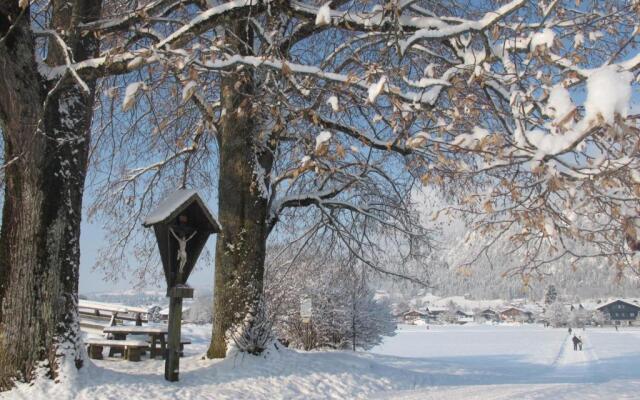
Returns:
(478, 97)
(450, 30)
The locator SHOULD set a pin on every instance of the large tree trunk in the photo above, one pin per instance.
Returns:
(46, 138)
(242, 205)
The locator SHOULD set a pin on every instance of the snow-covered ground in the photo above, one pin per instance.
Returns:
(442, 362)
(517, 362)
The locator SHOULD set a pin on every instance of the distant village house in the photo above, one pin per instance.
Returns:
(487, 315)
(514, 314)
(413, 316)
(620, 312)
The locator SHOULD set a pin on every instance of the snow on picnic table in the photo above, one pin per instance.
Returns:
(443, 362)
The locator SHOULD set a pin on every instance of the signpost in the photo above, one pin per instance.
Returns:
(306, 312)
(306, 309)
(182, 224)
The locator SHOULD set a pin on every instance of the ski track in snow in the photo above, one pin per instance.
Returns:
(574, 366)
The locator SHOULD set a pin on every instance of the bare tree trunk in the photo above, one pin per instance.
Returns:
(242, 206)
(353, 318)
(46, 131)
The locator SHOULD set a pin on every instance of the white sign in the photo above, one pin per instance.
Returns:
(306, 309)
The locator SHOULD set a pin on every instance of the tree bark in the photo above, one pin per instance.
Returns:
(242, 205)
(46, 136)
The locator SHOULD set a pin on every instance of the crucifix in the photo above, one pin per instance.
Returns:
(180, 232)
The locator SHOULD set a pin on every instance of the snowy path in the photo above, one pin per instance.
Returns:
(575, 366)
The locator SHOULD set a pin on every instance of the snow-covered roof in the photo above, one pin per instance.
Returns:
(174, 204)
(413, 311)
(632, 302)
(513, 308)
(435, 302)
(462, 313)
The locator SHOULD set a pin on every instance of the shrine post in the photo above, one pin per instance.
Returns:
(182, 224)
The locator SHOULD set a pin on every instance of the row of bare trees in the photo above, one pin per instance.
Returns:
(314, 123)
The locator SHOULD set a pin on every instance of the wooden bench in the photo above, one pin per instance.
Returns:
(88, 324)
(131, 348)
(183, 342)
(155, 333)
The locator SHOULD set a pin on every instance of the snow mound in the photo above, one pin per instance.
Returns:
(323, 17)
(130, 95)
(376, 88)
(322, 139)
(559, 103)
(333, 102)
(578, 39)
(595, 35)
(546, 144)
(543, 38)
(470, 140)
(608, 94)
(306, 162)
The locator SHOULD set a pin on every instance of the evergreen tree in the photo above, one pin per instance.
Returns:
(551, 295)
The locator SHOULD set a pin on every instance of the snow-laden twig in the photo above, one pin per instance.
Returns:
(451, 30)
(68, 57)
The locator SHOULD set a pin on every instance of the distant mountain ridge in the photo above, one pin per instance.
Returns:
(137, 297)
(130, 297)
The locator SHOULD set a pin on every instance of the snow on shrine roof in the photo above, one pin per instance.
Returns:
(174, 204)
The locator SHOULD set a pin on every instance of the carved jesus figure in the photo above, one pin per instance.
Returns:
(182, 249)
(182, 239)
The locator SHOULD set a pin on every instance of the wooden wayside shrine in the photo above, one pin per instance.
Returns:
(182, 224)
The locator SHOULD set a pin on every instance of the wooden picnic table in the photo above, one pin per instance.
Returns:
(156, 333)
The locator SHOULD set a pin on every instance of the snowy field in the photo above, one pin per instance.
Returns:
(515, 362)
(450, 362)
